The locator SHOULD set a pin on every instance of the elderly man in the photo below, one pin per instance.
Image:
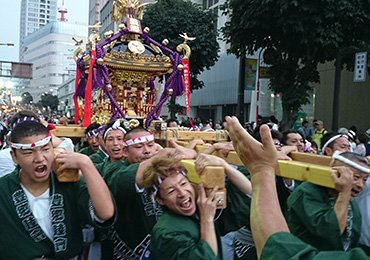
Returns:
(327, 218)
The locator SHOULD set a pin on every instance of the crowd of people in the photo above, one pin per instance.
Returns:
(132, 198)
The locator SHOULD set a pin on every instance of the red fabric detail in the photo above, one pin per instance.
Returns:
(88, 90)
(75, 101)
(51, 127)
(186, 73)
(191, 123)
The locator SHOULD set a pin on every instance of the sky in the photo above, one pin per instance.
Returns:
(78, 11)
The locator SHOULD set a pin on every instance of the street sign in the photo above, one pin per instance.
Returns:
(360, 71)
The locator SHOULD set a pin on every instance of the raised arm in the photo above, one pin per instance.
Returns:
(261, 160)
(97, 188)
(207, 210)
(343, 179)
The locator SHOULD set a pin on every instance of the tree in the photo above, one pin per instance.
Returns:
(174, 108)
(169, 18)
(296, 37)
(27, 98)
(49, 101)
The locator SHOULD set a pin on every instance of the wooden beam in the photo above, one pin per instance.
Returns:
(316, 174)
(211, 177)
(311, 158)
(215, 136)
(231, 158)
(303, 167)
(69, 131)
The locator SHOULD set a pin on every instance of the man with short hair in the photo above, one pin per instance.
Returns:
(91, 134)
(187, 229)
(6, 163)
(137, 212)
(294, 138)
(327, 218)
(113, 137)
(318, 133)
(306, 130)
(332, 142)
(271, 234)
(42, 217)
(100, 155)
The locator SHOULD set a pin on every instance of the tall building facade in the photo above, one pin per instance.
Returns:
(34, 15)
(50, 50)
(95, 7)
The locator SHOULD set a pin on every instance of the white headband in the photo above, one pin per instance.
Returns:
(115, 126)
(42, 142)
(337, 156)
(335, 137)
(139, 140)
(160, 179)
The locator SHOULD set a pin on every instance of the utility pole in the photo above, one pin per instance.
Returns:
(240, 102)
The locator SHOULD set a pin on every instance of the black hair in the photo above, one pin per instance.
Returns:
(135, 130)
(24, 113)
(276, 135)
(326, 138)
(172, 120)
(92, 126)
(27, 129)
(291, 131)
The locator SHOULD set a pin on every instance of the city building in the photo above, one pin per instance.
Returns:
(95, 7)
(50, 50)
(65, 95)
(34, 15)
(220, 95)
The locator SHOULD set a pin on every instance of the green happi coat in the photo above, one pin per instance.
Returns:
(283, 245)
(178, 237)
(136, 215)
(22, 237)
(236, 214)
(87, 151)
(98, 157)
(311, 217)
(107, 167)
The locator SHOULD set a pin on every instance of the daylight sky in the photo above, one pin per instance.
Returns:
(9, 23)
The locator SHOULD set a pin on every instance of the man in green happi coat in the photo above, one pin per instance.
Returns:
(271, 234)
(42, 217)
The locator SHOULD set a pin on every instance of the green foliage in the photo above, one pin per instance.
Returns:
(303, 34)
(49, 101)
(174, 108)
(169, 18)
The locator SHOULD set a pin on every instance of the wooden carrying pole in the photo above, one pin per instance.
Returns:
(211, 177)
(69, 131)
(303, 167)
